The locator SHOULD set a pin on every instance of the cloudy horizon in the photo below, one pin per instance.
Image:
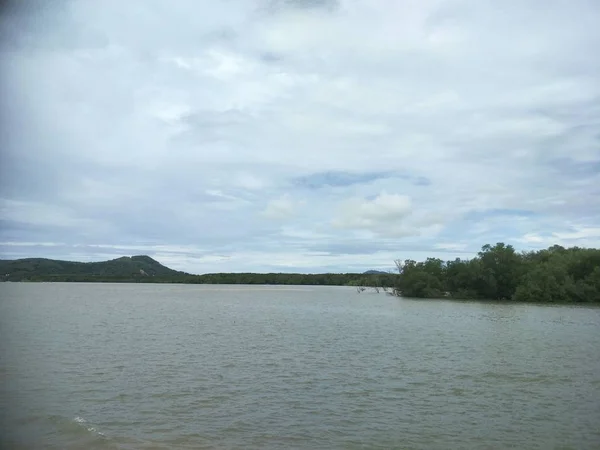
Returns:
(298, 135)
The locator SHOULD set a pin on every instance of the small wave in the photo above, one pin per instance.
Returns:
(522, 378)
(81, 421)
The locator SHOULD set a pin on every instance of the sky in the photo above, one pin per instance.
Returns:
(297, 135)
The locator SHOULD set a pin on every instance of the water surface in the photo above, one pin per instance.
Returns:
(233, 367)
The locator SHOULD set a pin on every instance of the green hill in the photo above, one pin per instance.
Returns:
(143, 269)
(121, 269)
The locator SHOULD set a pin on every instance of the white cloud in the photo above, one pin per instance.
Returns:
(580, 233)
(452, 246)
(384, 215)
(281, 208)
(30, 244)
(531, 238)
(568, 236)
(451, 132)
(39, 214)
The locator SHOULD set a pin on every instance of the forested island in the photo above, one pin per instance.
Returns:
(553, 275)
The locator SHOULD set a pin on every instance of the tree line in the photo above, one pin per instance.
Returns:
(387, 280)
(553, 275)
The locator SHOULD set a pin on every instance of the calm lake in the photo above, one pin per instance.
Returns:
(128, 366)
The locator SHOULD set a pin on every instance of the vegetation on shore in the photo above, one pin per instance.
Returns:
(554, 275)
(143, 269)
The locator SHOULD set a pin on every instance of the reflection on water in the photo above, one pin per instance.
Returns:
(161, 366)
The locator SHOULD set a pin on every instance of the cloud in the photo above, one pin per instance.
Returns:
(451, 246)
(384, 215)
(280, 208)
(569, 236)
(339, 179)
(408, 129)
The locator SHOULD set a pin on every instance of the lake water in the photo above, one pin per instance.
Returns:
(235, 367)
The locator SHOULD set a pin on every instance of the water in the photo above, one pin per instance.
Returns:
(236, 367)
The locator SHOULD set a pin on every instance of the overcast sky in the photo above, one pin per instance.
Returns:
(297, 135)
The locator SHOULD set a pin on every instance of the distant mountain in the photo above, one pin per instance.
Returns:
(143, 269)
(41, 269)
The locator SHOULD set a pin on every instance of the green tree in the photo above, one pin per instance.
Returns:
(502, 269)
(553, 275)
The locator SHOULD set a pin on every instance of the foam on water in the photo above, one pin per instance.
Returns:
(81, 421)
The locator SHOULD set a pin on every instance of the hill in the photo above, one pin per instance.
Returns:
(121, 269)
(143, 269)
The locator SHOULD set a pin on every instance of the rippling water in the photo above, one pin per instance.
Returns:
(225, 367)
